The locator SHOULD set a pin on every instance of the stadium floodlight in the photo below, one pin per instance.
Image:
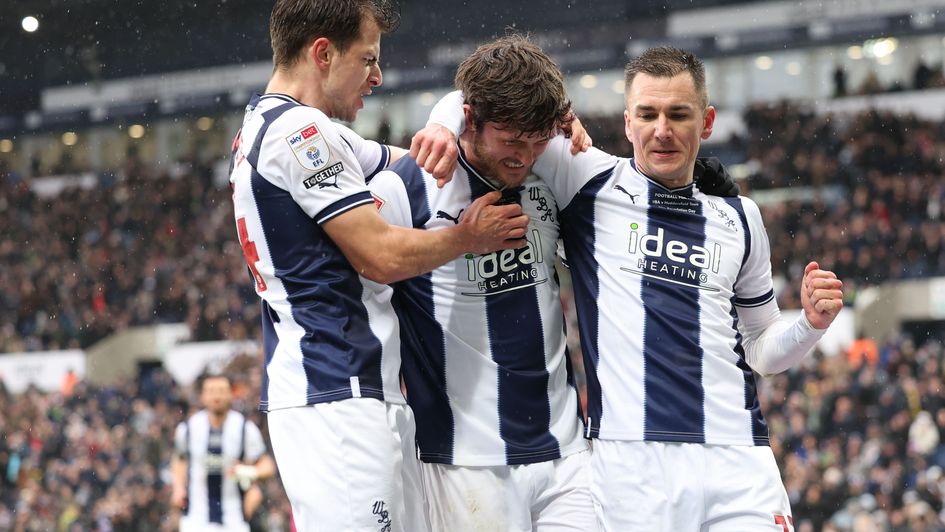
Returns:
(764, 62)
(6, 146)
(69, 138)
(204, 123)
(588, 81)
(427, 99)
(30, 23)
(136, 131)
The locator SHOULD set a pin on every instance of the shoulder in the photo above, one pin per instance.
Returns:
(306, 135)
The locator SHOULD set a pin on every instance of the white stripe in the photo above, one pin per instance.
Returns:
(355, 387)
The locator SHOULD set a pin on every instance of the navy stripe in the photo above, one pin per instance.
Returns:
(269, 118)
(577, 230)
(385, 158)
(759, 427)
(736, 204)
(423, 352)
(344, 205)
(754, 301)
(215, 476)
(412, 176)
(324, 292)
(270, 341)
(514, 320)
(423, 341)
(672, 354)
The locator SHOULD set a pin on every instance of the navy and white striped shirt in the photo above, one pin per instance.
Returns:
(484, 355)
(212, 497)
(329, 333)
(658, 275)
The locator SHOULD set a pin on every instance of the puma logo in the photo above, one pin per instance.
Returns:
(447, 216)
(633, 197)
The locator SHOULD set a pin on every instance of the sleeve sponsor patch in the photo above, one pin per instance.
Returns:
(309, 147)
(326, 178)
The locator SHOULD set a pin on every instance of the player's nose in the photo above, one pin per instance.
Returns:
(376, 77)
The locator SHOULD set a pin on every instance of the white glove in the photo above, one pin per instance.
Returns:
(245, 474)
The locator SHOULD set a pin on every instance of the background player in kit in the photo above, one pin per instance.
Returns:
(676, 307)
(485, 363)
(218, 455)
(341, 432)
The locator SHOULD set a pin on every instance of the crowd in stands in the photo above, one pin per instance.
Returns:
(876, 212)
(860, 438)
(148, 245)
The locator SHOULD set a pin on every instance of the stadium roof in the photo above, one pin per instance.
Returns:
(81, 41)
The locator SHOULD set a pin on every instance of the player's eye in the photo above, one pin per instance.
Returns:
(370, 61)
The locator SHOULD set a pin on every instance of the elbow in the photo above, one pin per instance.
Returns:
(379, 270)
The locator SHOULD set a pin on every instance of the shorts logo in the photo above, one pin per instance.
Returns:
(383, 516)
(310, 147)
(326, 178)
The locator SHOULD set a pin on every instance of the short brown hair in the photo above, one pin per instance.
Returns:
(668, 62)
(512, 81)
(294, 24)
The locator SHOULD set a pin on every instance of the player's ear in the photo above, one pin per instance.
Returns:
(320, 52)
(708, 121)
(628, 131)
(470, 117)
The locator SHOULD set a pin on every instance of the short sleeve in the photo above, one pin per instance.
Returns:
(255, 446)
(372, 156)
(566, 174)
(390, 196)
(304, 153)
(180, 440)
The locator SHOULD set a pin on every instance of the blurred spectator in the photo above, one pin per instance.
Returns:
(839, 81)
(150, 248)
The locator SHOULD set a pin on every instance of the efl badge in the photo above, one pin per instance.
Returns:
(309, 147)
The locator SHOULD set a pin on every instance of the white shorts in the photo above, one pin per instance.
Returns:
(655, 486)
(543, 497)
(350, 465)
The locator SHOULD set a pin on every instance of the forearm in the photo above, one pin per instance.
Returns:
(402, 253)
(265, 467)
(779, 346)
(178, 475)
